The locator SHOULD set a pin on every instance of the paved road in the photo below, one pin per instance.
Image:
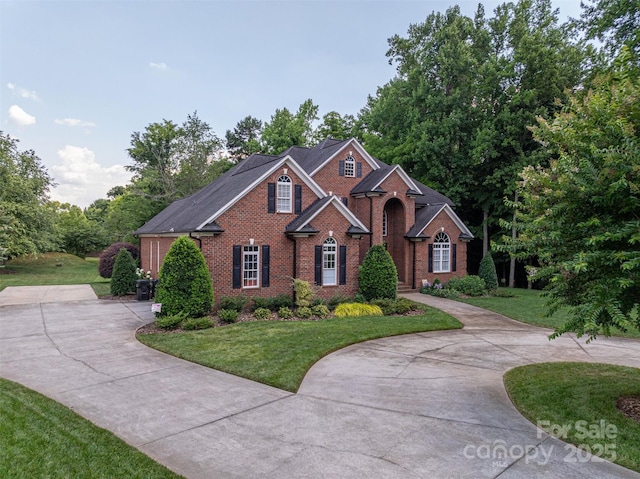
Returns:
(428, 405)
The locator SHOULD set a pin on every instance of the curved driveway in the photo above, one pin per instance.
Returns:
(428, 405)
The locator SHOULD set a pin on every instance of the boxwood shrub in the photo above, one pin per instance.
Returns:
(378, 277)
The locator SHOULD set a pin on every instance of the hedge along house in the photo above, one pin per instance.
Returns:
(312, 214)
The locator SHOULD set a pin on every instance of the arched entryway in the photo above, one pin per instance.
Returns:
(393, 231)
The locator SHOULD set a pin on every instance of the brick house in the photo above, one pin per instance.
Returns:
(311, 213)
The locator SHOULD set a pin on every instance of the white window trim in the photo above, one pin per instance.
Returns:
(246, 251)
(326, 254)
(441, 251)
(350, 167)
(284, 185)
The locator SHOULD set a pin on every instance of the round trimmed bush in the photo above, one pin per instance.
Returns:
(124, 276)
(228, 315)
(262, 313)
(470, 285)
(378, 278)
(488, 272)
(184, 281)
(108, 257)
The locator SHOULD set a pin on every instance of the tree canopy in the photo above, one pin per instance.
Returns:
(580, 215)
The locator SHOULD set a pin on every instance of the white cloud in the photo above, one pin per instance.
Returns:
(74, 122)
(20, 117)
(22, 92)
(158, 66)
(81, 179)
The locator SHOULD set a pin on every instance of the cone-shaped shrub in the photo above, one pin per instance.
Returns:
(488, 272)
(123, 279)
(108, 257)
(378, 278)
(184, 281)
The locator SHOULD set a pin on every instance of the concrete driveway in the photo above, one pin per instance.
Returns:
(426, 405)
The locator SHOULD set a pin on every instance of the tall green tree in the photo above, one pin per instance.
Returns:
(27, 224)
(580, 215)
(245, 138)
(288, 129)
(75, 233)
(456, 114)
(336, 126)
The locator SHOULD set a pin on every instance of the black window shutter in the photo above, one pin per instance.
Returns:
(345, 201)
(265, 265)
(343, 265)
(318, 266)
(359, 169)
(298, 199)
(237, 266)
(341, 168)
(453, 257)
(271, 198)
(430, 258)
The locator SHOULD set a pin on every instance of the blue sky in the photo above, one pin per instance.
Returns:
(77, 78)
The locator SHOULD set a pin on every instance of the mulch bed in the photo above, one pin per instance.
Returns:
(630, 406)
(7, 271)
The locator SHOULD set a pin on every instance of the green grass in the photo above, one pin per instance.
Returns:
(41, 438)
(279, 353)
(561, 394)
(528, 306)
(43, 270)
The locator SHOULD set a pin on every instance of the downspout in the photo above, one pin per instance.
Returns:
(199, 240)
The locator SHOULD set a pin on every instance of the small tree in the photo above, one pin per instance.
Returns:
(184, 281)
(124, 275)
(108, 257)
(378, 278)
(488, 272)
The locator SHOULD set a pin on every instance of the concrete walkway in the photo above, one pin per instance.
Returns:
(428, 405)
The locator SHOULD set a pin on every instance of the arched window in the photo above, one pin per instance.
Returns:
(284, 194)
(441, 253)
(329, 249)
(350, 166)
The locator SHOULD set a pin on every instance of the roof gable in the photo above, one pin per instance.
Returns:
(426, 215)
(301, 223)
(319, 157)
(373, 181)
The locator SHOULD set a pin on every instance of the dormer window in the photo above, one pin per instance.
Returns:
(284, 194)
(350, 166)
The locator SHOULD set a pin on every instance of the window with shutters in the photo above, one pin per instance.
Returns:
(250, 262)
(329, 249)
(284, 194)
(349, 166)
(441, 253)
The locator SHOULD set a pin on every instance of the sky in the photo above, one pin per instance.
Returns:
(78, 78)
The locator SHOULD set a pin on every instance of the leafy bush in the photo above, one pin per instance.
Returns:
(502, 293)
(320, 310)
(304, 292)
(387, 306)
(378, 278)
(357, 309)
(262, 313)
(470, 285)
(339, 299)
(171, 321)
(285, 312)
(304, 312)
(273, 304)
(233, 302)
(404, 305)
(185, 283)
(446, 293)
(108, 257)
(318, 301)
(192, 324)
(124, 275)
(228, 315)
(488, 272)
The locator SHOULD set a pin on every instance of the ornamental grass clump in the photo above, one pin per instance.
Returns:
(357, 309)
(123, 280)
(184, 281)
(378, 278)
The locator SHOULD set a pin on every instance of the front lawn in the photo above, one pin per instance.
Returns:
(279, 353)
(41, 438)
(528, 306)
(53, 268)
(577, 402)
